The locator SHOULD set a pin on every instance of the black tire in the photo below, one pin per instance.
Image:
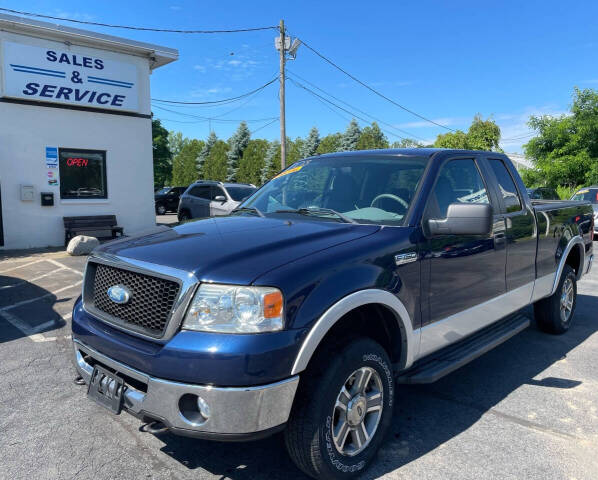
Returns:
(160, 209)
(184, 215)
(308, 435)
(548, 310)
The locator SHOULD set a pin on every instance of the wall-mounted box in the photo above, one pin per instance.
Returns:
(27, 192)
(47, 199)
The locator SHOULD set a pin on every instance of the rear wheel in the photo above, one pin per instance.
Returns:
(342, 411)
(160, 209)
(554, 314)
(184, 215)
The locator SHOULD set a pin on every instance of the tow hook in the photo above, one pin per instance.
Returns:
(78, 380)
(153, 428)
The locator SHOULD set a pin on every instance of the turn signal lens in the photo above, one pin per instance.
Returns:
(273, 305)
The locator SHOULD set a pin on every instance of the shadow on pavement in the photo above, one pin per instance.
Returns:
(420, 425)
(27, 318)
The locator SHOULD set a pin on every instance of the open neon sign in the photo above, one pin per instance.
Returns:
(77, 162)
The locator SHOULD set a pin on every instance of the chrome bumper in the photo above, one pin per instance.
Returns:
(196, 409)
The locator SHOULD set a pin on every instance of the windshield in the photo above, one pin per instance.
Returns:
(587, 195)
(373, 189)
(239, 193)
(163, 191)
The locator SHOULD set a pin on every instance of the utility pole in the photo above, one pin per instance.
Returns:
(283, 133)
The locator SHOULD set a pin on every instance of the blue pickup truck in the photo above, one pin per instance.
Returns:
(304, 310)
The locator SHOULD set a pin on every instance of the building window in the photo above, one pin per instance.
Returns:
(82, 173)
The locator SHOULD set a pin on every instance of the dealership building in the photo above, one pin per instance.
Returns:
(75, 130)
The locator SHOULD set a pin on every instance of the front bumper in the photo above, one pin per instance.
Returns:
(228, 413)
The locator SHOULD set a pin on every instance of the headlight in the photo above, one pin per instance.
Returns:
(235, 309)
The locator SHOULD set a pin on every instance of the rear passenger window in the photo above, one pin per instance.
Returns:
(507, 186)
(201, 192)
(459, 181)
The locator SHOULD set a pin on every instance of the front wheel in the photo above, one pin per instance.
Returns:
(553, 314)
(342, 411)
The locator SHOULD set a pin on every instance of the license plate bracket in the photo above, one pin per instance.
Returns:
(107, 389)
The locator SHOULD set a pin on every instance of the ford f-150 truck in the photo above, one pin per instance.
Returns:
(304, 310)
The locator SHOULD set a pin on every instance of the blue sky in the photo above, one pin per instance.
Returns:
(444, 60)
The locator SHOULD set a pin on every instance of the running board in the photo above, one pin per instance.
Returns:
(447, 360)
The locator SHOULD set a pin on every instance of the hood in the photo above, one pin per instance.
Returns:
(235, 249)
(159, 196)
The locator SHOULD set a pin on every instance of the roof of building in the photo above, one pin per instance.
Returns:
(158, 55)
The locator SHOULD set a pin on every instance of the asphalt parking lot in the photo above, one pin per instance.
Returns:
(526, 410)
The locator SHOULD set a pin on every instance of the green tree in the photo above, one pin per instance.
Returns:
(162, 157)
(294, 150)
(204, 153)
(176, 142)
(184, 170)
(330, 143)
(215, 166)
(311, 144)
(238, 143)
(372, 138)
(271, 162)
(565, 151)
(481, 135)
(351, 136)
(406, 143)
(252, 163)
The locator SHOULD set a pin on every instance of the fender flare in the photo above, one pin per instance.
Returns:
(345, 305)
(576, 240)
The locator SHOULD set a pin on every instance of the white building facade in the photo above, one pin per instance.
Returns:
(75, 130)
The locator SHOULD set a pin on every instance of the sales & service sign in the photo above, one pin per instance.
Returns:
(53, 75)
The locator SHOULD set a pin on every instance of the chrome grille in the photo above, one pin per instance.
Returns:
(151, 303)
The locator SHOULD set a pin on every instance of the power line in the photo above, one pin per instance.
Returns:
(213, 119)
(129, 27)
(355, 108)
(264, 126)
(339, 107)
(521, 137)
(326, 59)
(223, 101)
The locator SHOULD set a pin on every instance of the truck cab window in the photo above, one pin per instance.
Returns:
(507, 186)
(459, 181)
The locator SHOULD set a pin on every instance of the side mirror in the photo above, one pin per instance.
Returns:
(220, 198)
(463, 219)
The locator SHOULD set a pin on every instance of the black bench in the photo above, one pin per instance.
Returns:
(90, 223)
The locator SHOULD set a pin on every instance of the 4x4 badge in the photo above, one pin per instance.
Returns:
(403, 258)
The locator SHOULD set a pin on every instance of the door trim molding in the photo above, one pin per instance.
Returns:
(460, 325)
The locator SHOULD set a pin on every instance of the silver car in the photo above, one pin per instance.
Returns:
(207, 198)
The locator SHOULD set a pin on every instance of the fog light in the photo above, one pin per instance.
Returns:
(194, 409)
(204, 408)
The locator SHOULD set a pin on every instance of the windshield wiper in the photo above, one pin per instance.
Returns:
(316, 211)
(249, 209)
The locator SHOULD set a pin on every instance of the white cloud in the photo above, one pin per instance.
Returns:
(210, 92)
(73, 15)
(176, 8)
(424, 124)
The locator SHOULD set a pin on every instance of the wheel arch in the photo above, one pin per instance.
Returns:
(573, 255)
(353, 301)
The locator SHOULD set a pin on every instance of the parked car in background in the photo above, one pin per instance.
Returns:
(167, 199)
(589, 194)
(206, 198)
(543, 193)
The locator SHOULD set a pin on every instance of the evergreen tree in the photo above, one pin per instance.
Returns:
(350, 137)
(184, 170)
(311, 144)
(252, 163)
(205, 152)
(330, 143)
(270, 167)
(162, 157)
(238, 143)
(372, 138)
(215, 166)
(294, 149)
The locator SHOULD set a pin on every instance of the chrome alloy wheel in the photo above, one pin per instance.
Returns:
(357, 411)
(567, 294)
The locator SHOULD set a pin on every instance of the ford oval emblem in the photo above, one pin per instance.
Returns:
(119, 294)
